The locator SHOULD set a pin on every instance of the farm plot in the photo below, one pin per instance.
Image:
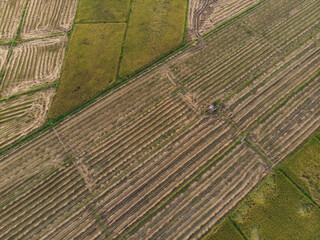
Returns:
(208, 198)
(10, 17)
(90, 67)
(155, 28)
(33, 64)
(257, 96)
(116, 154)
(281, 131)
(44, 18)
(27, 165)
(214, 47)
(124, 203)
(277, 210)
(296, 28)
(205, 15)
(224, 78)
(21, 115)
(303, 168)
(94, 11)
(270, 13)
(3, 55)
(39, 209)
(115, 110)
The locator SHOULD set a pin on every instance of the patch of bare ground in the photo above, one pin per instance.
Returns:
(21, 115)
(10, 16)
(3, 55)
(206, 200)
(33, 64)
(44, 18)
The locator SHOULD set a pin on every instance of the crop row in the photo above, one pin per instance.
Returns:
(127, 201)
(220, 11)
(21, 115)
(82, 225)
(43, 206)
(125, 148)
(222, 80)
(45, 18)
(10, 15)
(284, 129)
(3, 55)
(263, 92)
(207, 199)
(296, 28)
(113, 111)
(270, 13)
(33, 64)
(25, 166)
(217, 45)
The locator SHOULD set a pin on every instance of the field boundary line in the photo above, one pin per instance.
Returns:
(124, 39)
(298, 187)
(260, 152)
(21, 20)
(181, 188)
(101, 223)
(260, 36)
(237, 228)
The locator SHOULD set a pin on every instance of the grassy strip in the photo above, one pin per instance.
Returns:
(21, 20)
(186, 23)
(181, 188)
(259, 151)
(98, 217)
(32, 90)
(124, 39)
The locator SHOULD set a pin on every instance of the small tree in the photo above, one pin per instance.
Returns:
(215, 103)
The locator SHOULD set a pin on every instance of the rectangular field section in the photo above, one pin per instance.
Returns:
(44, 18)
(10, 17)
(91, 65)
(33, 64)
(155, 28)
(20, 116)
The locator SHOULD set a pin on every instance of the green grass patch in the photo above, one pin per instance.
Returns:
(103, 11)
(90, 66)
(225, 231)
(303, 167)
(155, 28)
(277, 210)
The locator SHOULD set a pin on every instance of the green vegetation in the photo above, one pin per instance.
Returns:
(303, 167)
(155, 28)
(278, 210)
(225, 231)
(103, 11)
(90, 66)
